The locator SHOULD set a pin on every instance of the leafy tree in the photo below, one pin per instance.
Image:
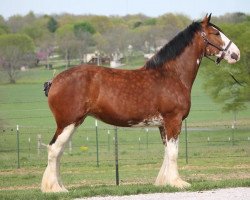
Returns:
(15, 50)
(101, 23)
(52, 24)
(3, 27)
(150, 21)
(2, 30)
(172, 24)
(137, 24)
(84, 34)
(83, 27)
(236, 17)
(34, 31)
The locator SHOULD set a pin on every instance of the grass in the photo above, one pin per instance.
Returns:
(215, 160)
(111, 190)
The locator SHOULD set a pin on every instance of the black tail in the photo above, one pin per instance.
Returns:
(46, 87)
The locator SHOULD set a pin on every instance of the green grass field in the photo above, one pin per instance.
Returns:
(218, 156)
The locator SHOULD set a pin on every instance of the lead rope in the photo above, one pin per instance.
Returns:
(236, 81)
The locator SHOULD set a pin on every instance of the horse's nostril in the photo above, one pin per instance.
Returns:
(234, 56)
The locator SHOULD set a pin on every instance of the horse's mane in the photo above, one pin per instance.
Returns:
(175, 47)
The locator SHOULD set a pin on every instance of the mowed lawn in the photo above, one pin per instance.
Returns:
(217, 155)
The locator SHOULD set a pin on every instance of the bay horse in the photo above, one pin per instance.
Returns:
(158, 94)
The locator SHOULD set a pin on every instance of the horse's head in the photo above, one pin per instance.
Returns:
(217, 44)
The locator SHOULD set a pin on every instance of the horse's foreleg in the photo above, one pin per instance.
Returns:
(51, 178)
(169, 170)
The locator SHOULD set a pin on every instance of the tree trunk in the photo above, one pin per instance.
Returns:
(11, 73)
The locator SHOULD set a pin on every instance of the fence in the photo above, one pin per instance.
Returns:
(26, 146)
(106, 155)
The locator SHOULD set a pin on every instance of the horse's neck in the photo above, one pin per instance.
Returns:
(187, 64)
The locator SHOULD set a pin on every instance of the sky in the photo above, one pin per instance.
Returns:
(195, 9)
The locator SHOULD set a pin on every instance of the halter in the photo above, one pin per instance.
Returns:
(208, 42)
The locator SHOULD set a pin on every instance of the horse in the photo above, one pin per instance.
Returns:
(157, 94)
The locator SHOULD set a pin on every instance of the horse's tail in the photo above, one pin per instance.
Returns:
(46, 87)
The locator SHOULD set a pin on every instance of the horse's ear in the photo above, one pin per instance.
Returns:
(209, 17)
(206, 19)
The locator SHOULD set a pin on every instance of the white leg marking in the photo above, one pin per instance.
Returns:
(169, 171)
(51, 178)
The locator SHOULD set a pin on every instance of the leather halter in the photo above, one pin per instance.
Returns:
(208, 42)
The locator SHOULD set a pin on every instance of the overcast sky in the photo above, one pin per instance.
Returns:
(195, 9)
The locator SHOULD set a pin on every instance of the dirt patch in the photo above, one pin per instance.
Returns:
(22, 171)
(26, 187)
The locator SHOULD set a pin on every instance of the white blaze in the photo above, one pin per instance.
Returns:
(232, 49)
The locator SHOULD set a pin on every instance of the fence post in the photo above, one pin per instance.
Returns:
(116, 158)
(139, 142)
(147, 137)
(108, 141)
(39, 143)
(97, 144)
(186, 141)
(70, 146)
(233, 127)
(29, 147)
(18, 150)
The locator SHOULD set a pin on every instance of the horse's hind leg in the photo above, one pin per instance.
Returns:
(51, 178)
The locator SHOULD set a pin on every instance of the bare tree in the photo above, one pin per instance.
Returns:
(12, 59)
(15, 51)
(68, 46)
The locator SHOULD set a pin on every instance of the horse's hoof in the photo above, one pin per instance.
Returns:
(179, 183)
(53, 188)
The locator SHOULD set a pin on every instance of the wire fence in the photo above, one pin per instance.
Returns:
(22, 146)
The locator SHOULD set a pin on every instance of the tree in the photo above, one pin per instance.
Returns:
(3, 27)
(100, 23)
(236, 17)
(84, 34)
(172, 24)
(114, 40)
(15, 50)
(67, 42)
(34, 31)
(46, 48)
(17, 22)
(83, 27)
(52, 25)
